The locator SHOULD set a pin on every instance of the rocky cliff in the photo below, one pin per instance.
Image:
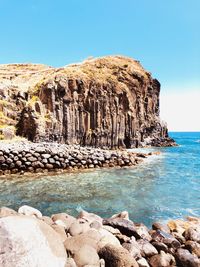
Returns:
(105, 102)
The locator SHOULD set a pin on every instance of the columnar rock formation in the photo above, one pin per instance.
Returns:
(105, 102)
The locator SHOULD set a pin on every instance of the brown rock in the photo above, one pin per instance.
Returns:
(186, 259)
(161, 227)
(160, 246)
(105, 102)
(166, 238)
(86, 256)
(133, 248)
(117, 257)
(90, 238)
(146, 248)
(192, 234)
(162, 260)
(193, 247)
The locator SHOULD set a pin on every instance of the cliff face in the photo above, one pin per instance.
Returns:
(105, 102)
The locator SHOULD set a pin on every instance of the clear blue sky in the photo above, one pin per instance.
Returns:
(163, 35)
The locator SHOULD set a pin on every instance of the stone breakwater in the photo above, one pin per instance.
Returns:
(41, 157)
(30, 239)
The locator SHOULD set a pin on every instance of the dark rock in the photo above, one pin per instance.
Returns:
(161, 227)
(2, 159)
(160, 246)
(126, 227)
(167, 239)
(186, 259)
(49, 166)
(97, 103)
(193, 247)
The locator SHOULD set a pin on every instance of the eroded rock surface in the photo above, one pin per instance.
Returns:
(105, 102)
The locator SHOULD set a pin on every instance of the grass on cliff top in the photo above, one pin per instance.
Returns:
(114, 70)
(106, 69)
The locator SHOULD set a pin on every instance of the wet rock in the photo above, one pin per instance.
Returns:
(26, 241)
(118, 257)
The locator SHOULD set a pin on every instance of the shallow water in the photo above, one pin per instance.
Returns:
(164, 186)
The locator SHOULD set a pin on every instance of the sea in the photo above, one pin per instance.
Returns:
(163, 187)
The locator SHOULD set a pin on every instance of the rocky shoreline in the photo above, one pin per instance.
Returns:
(21, 157)
(30, 239)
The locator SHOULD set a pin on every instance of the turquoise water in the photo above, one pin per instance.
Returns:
(164, 186)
